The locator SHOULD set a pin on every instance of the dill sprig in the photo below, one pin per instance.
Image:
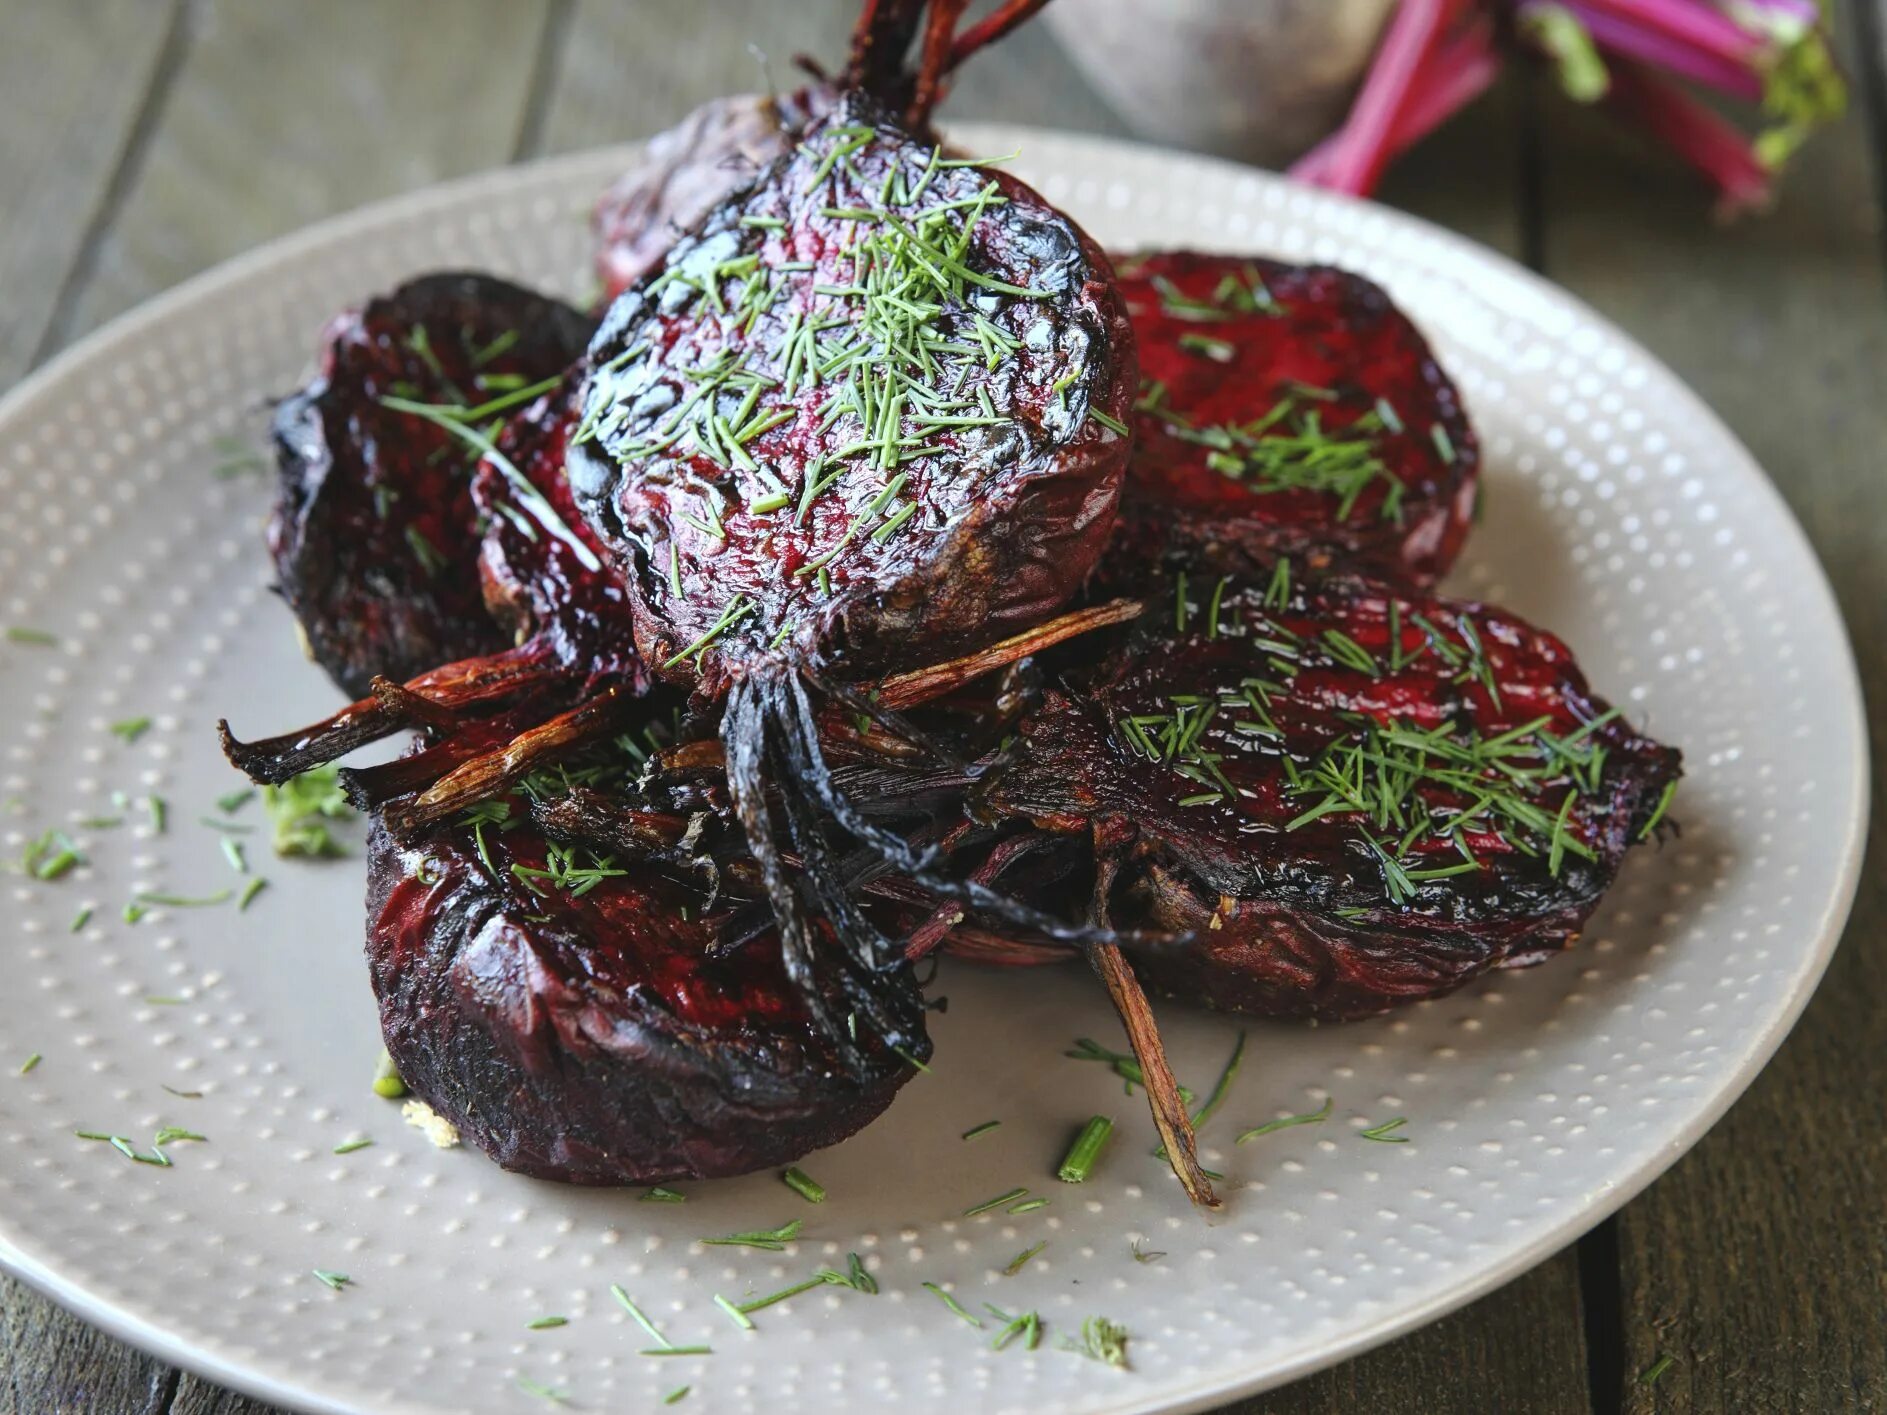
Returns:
(1314, 1117)
(772, 1240)
(1101, 1340)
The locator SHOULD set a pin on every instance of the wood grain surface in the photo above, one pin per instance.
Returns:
(144, 140)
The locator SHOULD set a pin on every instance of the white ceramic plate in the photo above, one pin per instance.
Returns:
(1619, 511)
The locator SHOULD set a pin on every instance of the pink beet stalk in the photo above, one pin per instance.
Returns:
(1456, 72)
(1708, 66)
(1360, 152)
(1709, 143)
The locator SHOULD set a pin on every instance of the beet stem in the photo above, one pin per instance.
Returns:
(1143, 1033)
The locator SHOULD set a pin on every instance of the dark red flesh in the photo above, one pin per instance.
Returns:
(374, 533)
(595, 1040)
(1208, 359)
(1302, 920)
(1008, 518)
(536, 583)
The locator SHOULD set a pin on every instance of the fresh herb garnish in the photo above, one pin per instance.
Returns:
(1101, 1340)
(1384, 1132)
(1315, 1117)
(300, 809)
(386, 1078)
(131, 728)
(953, 1304)
(1025, 1327)
(996, 1203)
(333, 1280)
(772, 1240)
(1079, 1162)
(804, 1185)
(1021, 1260)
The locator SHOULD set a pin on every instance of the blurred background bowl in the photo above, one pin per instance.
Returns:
(1260, 80)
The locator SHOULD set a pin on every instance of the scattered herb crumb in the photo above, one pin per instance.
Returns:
(249, 892)
(1382, 1133)
(983, 1129)
(235, 800)
(39, 638)
(661, 1194)
(1029, 1206)
(1101, 1340)
(131, 728)
(740, 1318)
(82, 918)
(771, 1240)
(953, 1304)
(386, 1079)
(1313, 1117)
(995, 1203)
(1085, 1151)
(347, 1147)
(1021, 1260)
(804, 1185)
(542, 1391)
(434, 1126)
(160, 813)
(31, 1064)
(1145, 1255)
(1025, 1326)
(546, 1323)
(185, 1095)
(232, 852)
(332, 1279)
(1649, 1376)
(677, 1395)
(300, 809)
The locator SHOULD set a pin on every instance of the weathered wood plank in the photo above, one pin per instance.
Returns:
(626, 71)
(53, 1364)
(72, 106)
(1758, 1263)
(1519, 1349)
(282, 113)
(278, 113)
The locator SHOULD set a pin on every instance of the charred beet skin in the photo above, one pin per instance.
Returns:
(1289, 410)
(374, 535)
(585, 1034)
(1349, 797)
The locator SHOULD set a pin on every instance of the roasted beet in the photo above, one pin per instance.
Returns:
(1289, 410)
(570, 1016)
(374, 533)
(1348, 796)
(868, 414)
(689, 169)
(874, 363)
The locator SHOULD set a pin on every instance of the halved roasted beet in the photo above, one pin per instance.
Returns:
(573, 1019)
(1348, 796)
(875, 363)
(374, 534)
(1289, 410)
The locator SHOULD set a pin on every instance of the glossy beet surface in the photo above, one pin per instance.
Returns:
(374, 533)
(1349, 797)
(545, 575)
(754, 417)
(589, 1037)
(1291, 410)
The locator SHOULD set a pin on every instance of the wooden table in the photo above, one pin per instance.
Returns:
(143, 140)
